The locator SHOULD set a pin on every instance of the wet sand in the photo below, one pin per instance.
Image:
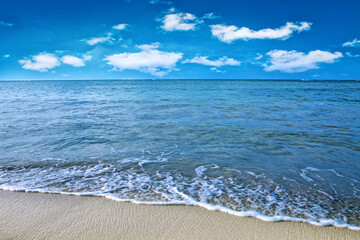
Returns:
(54, 216)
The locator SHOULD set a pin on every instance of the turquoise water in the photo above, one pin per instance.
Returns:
(277, 150)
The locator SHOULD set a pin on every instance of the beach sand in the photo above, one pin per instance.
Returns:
(54, 216)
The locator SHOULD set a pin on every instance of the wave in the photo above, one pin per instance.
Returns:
(238, 192)
(192, 202)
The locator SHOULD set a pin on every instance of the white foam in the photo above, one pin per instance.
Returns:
(303, 175)
(248, 196)
(306, 170)
(192, 202)
(200, 170)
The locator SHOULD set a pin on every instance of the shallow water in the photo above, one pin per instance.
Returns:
(278, 150)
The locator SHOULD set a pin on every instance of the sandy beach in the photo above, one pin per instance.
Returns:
(54, 216)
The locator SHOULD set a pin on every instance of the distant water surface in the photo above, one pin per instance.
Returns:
(278, 150)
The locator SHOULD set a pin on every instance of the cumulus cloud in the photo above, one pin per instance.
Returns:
(120, 26)
(41, 62)
(149, 60)
(75, 61)
(45, 61)
(228, 34)
(293, 61)
(353, 43)
(223, 61)
(96, 40)
(6, 24)
(179, 22)
(6, 56)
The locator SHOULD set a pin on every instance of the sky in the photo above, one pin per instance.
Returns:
(187, 39)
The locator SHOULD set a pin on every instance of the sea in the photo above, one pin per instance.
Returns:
(278, 150)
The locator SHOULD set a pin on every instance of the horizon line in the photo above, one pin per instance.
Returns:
(186, 79)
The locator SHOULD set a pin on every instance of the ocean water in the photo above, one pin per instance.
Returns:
(276, 150)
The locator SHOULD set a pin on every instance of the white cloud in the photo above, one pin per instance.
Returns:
(45, 61)
(120, 26)
(87, 57)
(210, 16)
(160, 2)
(179, 22)
(293, 61)
(216, 70)
(229, 34)
(149, 60)
(147, 47)
(259, 56)
(6, 56)
(94, 41)
(352, 55)
(353, 43)
(41, 62)
(6, 24)
(223, 61)
(75, 61)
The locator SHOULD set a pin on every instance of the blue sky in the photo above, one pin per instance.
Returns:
(138, 39)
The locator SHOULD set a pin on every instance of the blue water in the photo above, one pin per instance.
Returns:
(277, 150)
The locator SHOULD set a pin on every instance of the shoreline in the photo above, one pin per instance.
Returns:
(193, 203)
(54, 216)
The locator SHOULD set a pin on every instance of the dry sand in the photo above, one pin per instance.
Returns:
(52, 216)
